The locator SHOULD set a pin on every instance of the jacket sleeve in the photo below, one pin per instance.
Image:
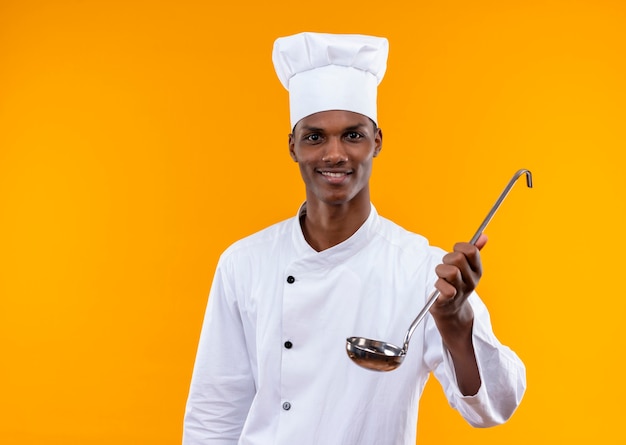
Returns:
(222, 385)
(502, 373)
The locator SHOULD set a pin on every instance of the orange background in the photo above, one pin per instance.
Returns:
(139, 138)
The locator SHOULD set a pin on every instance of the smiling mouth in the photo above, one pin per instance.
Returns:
(334, 174)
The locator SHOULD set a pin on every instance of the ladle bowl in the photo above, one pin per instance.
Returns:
(373, 354)
(377, 355)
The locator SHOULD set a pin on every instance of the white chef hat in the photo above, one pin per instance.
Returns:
(330, 72)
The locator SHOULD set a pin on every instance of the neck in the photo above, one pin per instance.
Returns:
(326, 226)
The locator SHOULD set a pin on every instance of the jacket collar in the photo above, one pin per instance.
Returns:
(341, 251)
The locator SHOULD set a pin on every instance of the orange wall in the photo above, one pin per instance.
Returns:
(139, 139)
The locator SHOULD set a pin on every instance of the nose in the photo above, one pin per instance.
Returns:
(334, 153)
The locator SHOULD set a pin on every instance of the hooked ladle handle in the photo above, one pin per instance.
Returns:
(435, 294)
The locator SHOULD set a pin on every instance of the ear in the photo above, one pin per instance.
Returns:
(378, 140)
(292, 151)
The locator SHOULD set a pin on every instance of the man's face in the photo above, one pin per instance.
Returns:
(334, 150)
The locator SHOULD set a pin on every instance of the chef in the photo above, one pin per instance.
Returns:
(271, 366)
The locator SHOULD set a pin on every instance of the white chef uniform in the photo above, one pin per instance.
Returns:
(272, 369)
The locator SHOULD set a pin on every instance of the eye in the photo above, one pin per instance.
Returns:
(313, 138)
(353, 136)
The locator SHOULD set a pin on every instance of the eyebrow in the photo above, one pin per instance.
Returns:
(309, 128)
(356, 127)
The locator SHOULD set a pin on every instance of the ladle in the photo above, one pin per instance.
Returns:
(380, 356)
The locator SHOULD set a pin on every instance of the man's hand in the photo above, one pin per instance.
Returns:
(458, 277)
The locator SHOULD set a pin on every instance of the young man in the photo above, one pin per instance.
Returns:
(271, 367)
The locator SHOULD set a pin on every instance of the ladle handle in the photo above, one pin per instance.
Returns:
(433, 296)
(431, 300)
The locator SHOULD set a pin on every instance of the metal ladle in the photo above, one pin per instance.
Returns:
(380, 356)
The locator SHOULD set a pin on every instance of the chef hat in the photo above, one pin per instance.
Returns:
(330, 72)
